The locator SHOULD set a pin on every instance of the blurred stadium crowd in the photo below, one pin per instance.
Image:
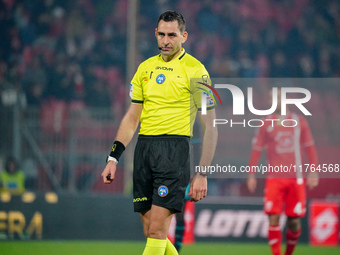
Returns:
(74, 52)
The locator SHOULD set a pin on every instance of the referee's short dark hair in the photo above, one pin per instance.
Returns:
(169, 16)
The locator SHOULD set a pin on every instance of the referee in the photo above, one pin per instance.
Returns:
(160, 93)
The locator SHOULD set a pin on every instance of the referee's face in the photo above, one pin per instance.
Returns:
(170, 39)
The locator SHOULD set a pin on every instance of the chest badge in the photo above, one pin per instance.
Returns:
(160, 78)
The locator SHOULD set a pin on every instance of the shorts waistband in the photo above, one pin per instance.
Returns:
(163, 137)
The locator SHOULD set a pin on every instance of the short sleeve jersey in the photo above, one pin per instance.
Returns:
(164, 90)
(283, 142)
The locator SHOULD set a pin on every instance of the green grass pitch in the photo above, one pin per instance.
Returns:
(136, 248)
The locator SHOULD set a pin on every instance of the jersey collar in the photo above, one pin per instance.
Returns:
(179, 57)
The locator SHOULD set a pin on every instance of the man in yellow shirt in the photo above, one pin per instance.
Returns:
(162, 100)
(12, 180)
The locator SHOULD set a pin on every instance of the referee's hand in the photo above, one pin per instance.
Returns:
(198, 188)
(109, 172)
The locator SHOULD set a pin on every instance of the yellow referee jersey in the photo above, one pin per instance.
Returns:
(164, 90)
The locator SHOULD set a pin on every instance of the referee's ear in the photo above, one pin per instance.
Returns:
(184, 36)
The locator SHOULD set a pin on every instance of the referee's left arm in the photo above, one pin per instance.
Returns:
(199, 186)
(209, 138)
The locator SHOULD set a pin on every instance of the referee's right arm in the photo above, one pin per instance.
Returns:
(129, 124)
(125, 133)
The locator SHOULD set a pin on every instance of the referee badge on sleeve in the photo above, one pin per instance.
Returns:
(131, 90)
(210, 100)
(163, 191)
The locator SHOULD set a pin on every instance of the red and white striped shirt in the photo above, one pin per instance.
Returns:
(283, 143)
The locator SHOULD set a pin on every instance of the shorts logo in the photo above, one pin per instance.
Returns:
(140, 199)
(160, 78)
(163, 191)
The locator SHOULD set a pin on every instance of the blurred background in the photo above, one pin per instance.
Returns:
(65, 69)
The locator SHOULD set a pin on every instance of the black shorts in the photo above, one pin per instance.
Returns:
(161, 172)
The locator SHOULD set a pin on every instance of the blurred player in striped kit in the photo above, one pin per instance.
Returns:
(284, 146)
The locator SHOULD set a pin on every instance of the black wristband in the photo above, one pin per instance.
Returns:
(117, 150)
